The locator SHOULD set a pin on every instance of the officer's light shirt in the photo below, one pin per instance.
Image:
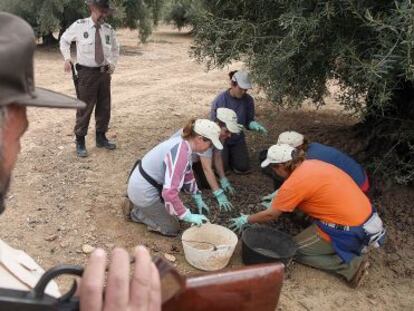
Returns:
(83, 32)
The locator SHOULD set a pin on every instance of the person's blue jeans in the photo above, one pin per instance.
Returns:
(236, 157)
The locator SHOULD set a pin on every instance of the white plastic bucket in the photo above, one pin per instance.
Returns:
(208, 247)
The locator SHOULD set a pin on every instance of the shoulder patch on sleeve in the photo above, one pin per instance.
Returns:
(81, 21)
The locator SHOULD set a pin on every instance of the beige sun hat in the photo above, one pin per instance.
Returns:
(279, 153)
(243, 80)
(291, 138)
(229, 118)
(210, 130)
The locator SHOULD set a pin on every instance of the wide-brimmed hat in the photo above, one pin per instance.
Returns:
(242, 79)
(279, 153)
(229, 118)
(291, 138)
(17, 45)
(209, 130)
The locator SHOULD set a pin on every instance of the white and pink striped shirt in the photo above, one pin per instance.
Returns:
(169, 164)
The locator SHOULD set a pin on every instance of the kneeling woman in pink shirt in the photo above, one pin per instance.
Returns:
(156, 181)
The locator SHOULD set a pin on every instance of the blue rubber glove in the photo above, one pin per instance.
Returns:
(238, 223)
(195, 218)
(222, 200)
(226, 186)
(198, 200)
(268, 199)
(257, 127)
(270, 196)
(266, 204)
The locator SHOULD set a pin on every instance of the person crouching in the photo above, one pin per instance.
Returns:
(156, 181)
(345, 226)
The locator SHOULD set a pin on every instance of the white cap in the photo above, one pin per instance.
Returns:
(210, 130)
(242, 79)
(291, 138)
(229, 118)
(279, 153)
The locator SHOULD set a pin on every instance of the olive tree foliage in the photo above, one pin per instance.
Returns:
(46, 16)
(140, 14)
(179, 13)
(293, 47)
(54, 16)
(182, 13)
(157, 9)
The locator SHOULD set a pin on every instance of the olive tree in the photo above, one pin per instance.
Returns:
(54, 16)
(293, 47)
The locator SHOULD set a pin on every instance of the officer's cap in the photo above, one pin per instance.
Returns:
(105, 4)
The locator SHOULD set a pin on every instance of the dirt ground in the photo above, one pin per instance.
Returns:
(58, 203)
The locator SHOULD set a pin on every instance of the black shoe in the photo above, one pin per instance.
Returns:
(80, 146)
(103, 142)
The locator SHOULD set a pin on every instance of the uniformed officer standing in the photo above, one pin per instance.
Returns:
(97, 54)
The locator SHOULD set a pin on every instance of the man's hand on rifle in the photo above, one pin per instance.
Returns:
(141, 292)
(67, 66)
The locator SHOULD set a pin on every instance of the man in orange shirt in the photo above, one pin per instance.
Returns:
(345, 222)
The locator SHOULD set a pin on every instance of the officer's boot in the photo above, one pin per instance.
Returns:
(80, 146)
(103, 142)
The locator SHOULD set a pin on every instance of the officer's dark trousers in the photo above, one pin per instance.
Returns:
(236, 157)
(94, 89)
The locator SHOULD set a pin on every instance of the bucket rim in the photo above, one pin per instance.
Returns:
(293, 247)
(232, 237)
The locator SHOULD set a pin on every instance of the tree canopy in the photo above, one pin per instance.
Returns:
(293, 47)
(50, 16)
(180, 13)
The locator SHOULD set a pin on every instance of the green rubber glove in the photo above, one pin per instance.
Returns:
(266, 204)
(268, 199)
(226, 186)
(238, 223)
(270, 196)
(195, 218)
(222, 200)
(198, 200)
(257, 127)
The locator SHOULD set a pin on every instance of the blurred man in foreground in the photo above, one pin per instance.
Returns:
(17, 269)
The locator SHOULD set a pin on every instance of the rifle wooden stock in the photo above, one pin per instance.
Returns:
(251, 288)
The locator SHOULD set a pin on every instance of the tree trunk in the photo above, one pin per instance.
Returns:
(389, 132)
(49, 40)
(401, 106)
